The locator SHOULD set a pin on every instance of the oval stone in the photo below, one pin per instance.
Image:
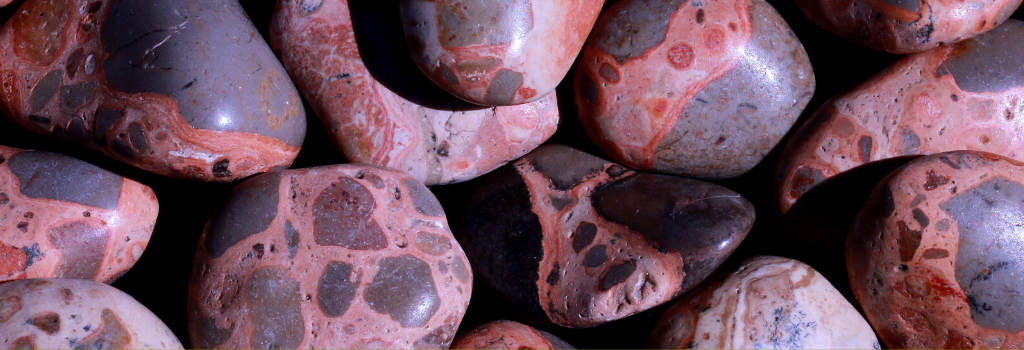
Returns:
(63, 217)
(907, 26)
(628, 242)
(186, 89)
(701, 89)
(497, 53)
(936, 257)
(505, 334)
(767, 303)
(342, 247)
(54, 313)
(350, 61)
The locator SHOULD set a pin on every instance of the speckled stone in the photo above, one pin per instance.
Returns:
(511, 335)
(497, 53)
(62, 217)
(767, 303)
(907, 26)
(186, 89)
(333, 257)
(577, 241)
(354, 68)
(77, 314)
(703, 89)
(936, 257)
(957, 97)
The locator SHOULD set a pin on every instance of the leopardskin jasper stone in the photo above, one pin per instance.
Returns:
(333, 257)
(767, 303)
(697, 88)
(574, 240)
(181, 88)
(54, 313)
(907, 26)
(936, 257)
(62, 217)
(509, 335)
(354, 68)
(497, 53)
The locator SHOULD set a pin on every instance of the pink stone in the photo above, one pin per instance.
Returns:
(510, 335)
(62, 217)
(333, 257)
(379, 109)
(497, 53)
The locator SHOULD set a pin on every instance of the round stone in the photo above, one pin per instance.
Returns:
(333, 257)
(62, 217)
(186, 89)
(907, 26)
(510, 335)
(767, 303)
(577, 241)
(936, 257)
(350, 61)
(50, 313)
(703, 89)
(497, 53)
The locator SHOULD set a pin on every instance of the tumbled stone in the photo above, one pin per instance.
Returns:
(907, 26)
(936, 257)
(54, 313)
(62, 217)
(354, 68)
(577, 241)
(703, 88)
(333, 257)
(511, 335)
(5, 2)
(497, 53)
(767, 303)
(186, 89)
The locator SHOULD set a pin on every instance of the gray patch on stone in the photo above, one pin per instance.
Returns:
(990, 62)
(403, 289)
(564, 165)
(502, 89)
(250, 208)
(466, 23)
(45, 90)
(59, 177)
(631, 27)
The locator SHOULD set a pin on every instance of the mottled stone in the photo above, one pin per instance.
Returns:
(952, 285)
(186, 89)
(55, 313)
(703, 88)
(497, 53)
(907, 26)
(62, 217)
(351, 63)
(629, 242)
(766, 303)
(342, 257)
(510, 335)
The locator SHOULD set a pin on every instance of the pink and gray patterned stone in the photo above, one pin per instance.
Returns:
(351, 62)
(509, 335)
(333, 257)
(62, 217)
(696, 88)
(936, 257)
(577, 241)
(497, 53)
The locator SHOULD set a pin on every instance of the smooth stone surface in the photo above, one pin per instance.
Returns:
(76, 314)
(767, 303)
(62, 217)
(354, 68)
(497, 53)
(907, 26)
(510, 335)
(333, 257)
(703, 89)
(185, 89)
(936, 257)
(577, 241)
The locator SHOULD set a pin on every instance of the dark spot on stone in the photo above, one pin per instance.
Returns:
(933, 180)
(909, 142)
(336, 289)
(258, 248)
(105, 119)
(442, 149)
(138, 138)
(503, 87)
(74, 97)
(403, 289)
(32, 254)
(374, 179)
(249, 209)
(23, 226)
(565, 166)
(554, 275)
(272, 302)
(921, 218)
(909, 241)
(422, 198)
(917, 200)
(432, 243)
(935, 253)
(700, 16)
(73, 62)
(950, 163)
(865, 148)
(630, 28)
(343, 215)
(24, 342)
(45, 90)
(112, 334)
(446, 75)
(470, 23)
(596, 256)
(95, 7)
(48, 322)
(559, 202)
(583, 236)
(609, 73)
(617, 274)
(681, 57)
(220, 168)
(82, 249)
(292, 237)
(804, 180)
(954, 97)
(208, 335)
(39, 120)
(616, 170)
(588, 89)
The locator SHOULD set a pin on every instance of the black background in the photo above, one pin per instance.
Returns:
(160, 279)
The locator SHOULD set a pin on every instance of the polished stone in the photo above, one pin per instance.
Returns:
(510, 335)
